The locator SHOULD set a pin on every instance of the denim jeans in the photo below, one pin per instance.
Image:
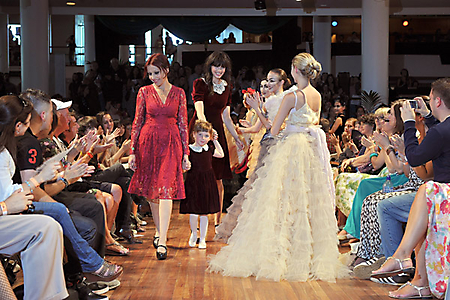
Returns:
(89, 259)
(392, 214)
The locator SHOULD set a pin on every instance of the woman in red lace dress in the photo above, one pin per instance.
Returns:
(212, 99)
(159, 147)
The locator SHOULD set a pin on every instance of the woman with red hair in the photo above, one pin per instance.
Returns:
(159, 146)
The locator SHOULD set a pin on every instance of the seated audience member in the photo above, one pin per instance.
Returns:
(347, 182)
(114, 154)
(38, 239)
(382, 154)
(89, 211)
(16, 115)
(115, 174)
(369, 254)
(102, 191)
(427, 231)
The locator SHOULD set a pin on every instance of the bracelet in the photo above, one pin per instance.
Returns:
(4, 208)
(64, 180)
(375, 154)
(389, 150)
(34, 181)
(29, 185)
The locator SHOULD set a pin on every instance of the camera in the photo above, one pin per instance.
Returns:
(413, 103)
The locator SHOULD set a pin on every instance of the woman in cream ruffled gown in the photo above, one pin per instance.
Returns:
(277, 80)
(288, 229)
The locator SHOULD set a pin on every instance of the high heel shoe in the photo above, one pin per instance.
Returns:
(161, 255)
(155, 241)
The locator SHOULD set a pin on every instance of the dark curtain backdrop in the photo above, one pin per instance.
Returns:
(194, 29)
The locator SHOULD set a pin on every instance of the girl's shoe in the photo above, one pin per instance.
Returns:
(192, 239)
(202, 244)
(155, 241)
(161, 255)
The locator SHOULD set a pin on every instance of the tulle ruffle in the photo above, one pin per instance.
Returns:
(288, 229)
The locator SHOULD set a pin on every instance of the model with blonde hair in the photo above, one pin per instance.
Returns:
(288, 229)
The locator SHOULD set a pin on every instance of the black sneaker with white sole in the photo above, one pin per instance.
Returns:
(364, 269)
(394, 280)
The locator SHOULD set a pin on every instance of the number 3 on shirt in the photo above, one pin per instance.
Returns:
(33, 153)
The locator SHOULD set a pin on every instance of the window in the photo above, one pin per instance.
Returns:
(15, 32)
(79, 39)
(231, 29)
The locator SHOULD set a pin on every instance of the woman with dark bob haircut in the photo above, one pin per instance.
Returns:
(212, 98)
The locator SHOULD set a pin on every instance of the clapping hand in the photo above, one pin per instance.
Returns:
(254, 100)
(245, 123)
(111, 136)
(398, 143)
(75, 171)
(381, 139)
(366, 142)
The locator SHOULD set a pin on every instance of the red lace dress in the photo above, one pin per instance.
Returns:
(159, 139)
(214, 105)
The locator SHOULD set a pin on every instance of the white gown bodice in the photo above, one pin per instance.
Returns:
(303, 117)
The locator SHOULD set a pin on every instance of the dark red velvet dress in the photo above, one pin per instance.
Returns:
(214, 105)
(159, 138)
(202, 195)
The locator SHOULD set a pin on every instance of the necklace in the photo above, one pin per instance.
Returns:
(219, 88)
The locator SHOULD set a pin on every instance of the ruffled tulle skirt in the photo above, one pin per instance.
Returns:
(229, 221)
(288, 229)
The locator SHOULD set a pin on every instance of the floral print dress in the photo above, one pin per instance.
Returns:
(437, 244)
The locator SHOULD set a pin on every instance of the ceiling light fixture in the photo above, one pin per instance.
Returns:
(405, 23)
(70, 3)
(260, 4)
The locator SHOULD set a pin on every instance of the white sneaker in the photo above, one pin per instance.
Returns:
(202, 244)
(193, 240)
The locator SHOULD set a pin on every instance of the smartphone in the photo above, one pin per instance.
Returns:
(413, 103)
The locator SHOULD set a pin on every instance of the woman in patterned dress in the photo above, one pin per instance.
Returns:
(159, 147)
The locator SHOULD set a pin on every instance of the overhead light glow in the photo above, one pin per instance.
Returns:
(334, 23)
(405, 23)
(298, 0)
(70, 3)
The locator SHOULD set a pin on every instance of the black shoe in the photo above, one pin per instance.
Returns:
(98, 288)
(161, 255)
(128, 236)
(86, 293)
(155, 241)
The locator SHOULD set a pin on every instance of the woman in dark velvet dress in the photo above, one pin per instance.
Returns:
(212, 98)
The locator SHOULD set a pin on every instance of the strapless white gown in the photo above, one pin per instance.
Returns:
(288, 229)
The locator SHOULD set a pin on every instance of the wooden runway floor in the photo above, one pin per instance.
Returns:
(183, 275)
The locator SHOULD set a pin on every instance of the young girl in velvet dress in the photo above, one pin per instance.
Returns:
(202, 195)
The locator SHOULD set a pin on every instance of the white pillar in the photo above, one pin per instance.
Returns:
(375, 47)
(34, 19)
(4, 43)
(89, 41)
(322, 41)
